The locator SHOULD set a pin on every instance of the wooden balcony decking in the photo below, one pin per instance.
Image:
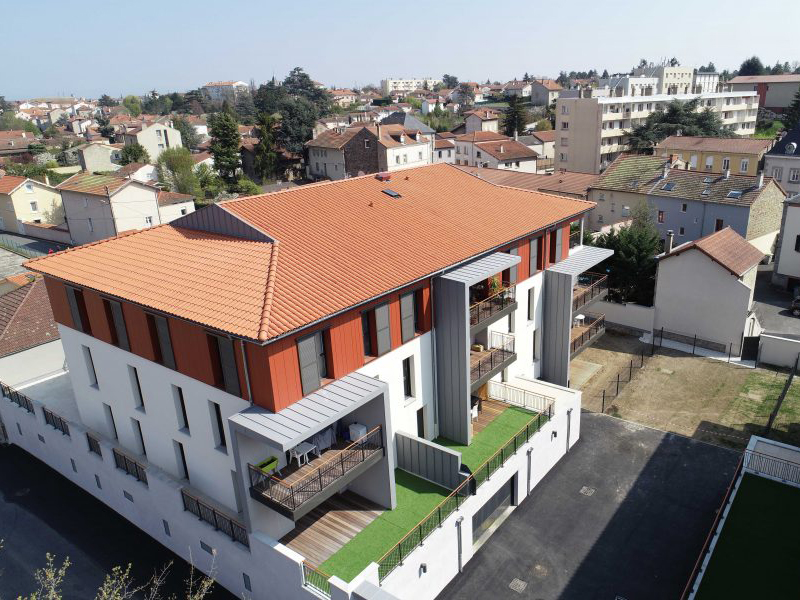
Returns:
(291, 474)
(322, 532)
(490, 410)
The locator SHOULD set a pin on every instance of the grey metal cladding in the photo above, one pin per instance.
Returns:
(428, 460)
(119, 324)
(307, 357)
(383, 329)
(407, 316)
(582, 259)
(164, 341)
(513, 270)
(227, 358)
(72, 300)
(482, 268)
(533, 261)
(556, 323)
(559, 243)
(215, 219)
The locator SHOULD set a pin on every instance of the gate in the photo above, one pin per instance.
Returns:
(750, 347)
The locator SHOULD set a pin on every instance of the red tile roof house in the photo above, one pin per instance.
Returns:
(260, 377)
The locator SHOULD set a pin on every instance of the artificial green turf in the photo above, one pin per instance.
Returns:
(758, 553)
(488, 441)
(415, 499)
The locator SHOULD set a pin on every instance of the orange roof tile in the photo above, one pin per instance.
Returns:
(506, 149)
(8, 183)
(481, 136)
(341, 243)
(727, 248)
(26, 319)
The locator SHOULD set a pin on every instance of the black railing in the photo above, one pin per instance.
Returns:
(590, 286)
(779, 468)
(55, 421)
(592, 329)
(316, 579)
(480, 311)
(292, 496)
(131, 466)
(94, 444)
(575, 239)
(501, 348)
(16, 397)
(218, 520)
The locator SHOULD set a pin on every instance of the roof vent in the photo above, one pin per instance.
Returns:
(791, 147)
(383, 176)
(391, 193)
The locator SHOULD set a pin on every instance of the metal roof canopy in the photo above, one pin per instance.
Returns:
(483, 268)
(582, 260)
(311, 414)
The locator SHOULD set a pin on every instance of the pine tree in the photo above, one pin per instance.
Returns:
(266, 158)
(515, 117)
(225, 144)
(791, 118)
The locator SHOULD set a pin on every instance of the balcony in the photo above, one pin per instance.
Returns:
(485, 363)
(492, 308)
(590, 287)
(300, 489)
(585, 331)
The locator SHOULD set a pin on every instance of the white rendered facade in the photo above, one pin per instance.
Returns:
(408, 84)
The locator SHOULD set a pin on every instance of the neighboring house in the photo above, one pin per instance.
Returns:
(102, 206)
(24, 200)
(521, 89)
(543, 143)
(592, 126)
(172, 205)
(410, 122)
(227, 356)
(16, 142)
(344, 97)
(743, 156)
(775, 92)
(481, 119)
(139, 172)
(155, 138)
(408, 84)
(429, 103)
(495, 151)
(200, 124)
(571, 185)
(444, 151)
(704, 288)
(221, 91)
(786, 272)
(692, 204)
(782, 162)
(99, 157)
(544, 92)
(203, 158)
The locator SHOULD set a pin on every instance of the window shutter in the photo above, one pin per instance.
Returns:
(119, 324)
(534, 259)
(77, 322)
(559, 243)
(407, 316)
(513, 270)
(164, 342)
(382, 329)
(230, 374)
(307, 357)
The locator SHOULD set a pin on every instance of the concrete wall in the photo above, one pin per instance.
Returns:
(610, 204)
(158, 138)
(583, 135)
(630, 315)
(326, 162)
(765, 213)
(22, 367)
(170, 212)
(16, 207)
(778, 351)
(99, 157)
(788, 260)
(52, 234)
(428, 460)
(699, 219)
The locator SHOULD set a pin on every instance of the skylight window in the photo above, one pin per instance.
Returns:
(708, 179)
(391, 193)
(735, 194)
(668, 186)
(706, 192)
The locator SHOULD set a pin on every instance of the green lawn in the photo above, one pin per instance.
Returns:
(770, 132)
(416, 498)
(491, 439)
(758, 553)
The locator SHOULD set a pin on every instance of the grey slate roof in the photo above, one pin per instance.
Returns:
(408, 121)
(780, 146)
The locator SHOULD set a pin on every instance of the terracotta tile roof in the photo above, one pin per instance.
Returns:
(445, 135)
(8, 183)
(338, 244)
(332, 138)
(725, 247)
(484, 114)
(549, 84)
(167, 198)
(128, 169)
(715, 144)
(507, 150)
(570, 183)
(789, 78)
(89, 183)
(199, 157)
(443, 144)
(26, 319)
(517, 85)
(545, 136)
(481, 136)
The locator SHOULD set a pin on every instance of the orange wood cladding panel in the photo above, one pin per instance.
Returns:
(565, 242)
(98, 318)
(58, 301)
(524, 251)
(138, 331)
(260, 381)
(346, 344)
(191, 350)
(284, 373)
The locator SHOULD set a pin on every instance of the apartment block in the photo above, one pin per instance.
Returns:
(592, 126)
(310, 361)
(743, 156)
(407, 84)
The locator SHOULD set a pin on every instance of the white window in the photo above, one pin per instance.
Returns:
(726, 163)
(744, 164)
(599, 218)
(29, 188)
(158, 133)
(405, 158)
(564, 141)
(161, 146)
(420, 155)
(563, 157)
(148, 220)
(709, 163)
(777, 173)
(448, 153)
(794, 175)
(34, 206)
(564, 125)
(397, 159)
(183, 211)
(564, 109)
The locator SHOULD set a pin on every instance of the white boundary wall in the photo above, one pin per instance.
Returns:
(629, 315)
(778, 351)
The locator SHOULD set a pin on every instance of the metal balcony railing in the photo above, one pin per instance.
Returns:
(590, 286)
(16, 397)
(501, 348)
(218, 520)
(292, 496)
(587, 332)
(480, 311)
(55, 421)
(575, 239)
(522, 398)
(131, 466)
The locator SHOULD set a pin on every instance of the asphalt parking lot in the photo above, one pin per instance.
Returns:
(771, 305)
(648, 502)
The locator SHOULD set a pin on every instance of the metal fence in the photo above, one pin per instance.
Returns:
(17, 398)
(12, 245)
(131, 466)
(54, 420)
(593, 328)
(501, 348)
(316, 579)
(764, 464)
(219, 521)
(484, 309)
(94, 444)
(590, 286)
(516, 396)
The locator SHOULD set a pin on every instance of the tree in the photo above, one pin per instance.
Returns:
(680, 117)
(133, 153)
(133, 104)
(674, 62)
(175, 168)
(709, 68)
(605, 74)
(189, 137)
(526, 78)
(751, 66)
(245, 107)
(515, 117)
(632, 268)
(297, 122)
(466, 94)
(225, 144)
(106, 100)
(105, 128)
(266, 158)
(211, 183)
(245, 187)
(449, 81)
(562, 79)
(49, 580)
(9, 122)
(36, 148)
(543, 125)
(642, 63)
(299, 85)
(269, 96)
(791, 118)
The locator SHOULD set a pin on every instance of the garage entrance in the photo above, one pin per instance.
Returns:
(494, 510)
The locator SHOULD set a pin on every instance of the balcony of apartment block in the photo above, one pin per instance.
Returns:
(589, 288)
(488, 356)
(490, 301)
(586, 328)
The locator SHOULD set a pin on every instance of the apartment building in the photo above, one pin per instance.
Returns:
(408, 84)
(592, 125)
(495, 151)
(782, 162)
(154, 137)
(706, 82)
(671, 80)
(786, 273)
(221, 91)
(280, 376)
(743, 156)
(775, 92)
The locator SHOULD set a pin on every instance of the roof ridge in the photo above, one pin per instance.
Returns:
(269, 293)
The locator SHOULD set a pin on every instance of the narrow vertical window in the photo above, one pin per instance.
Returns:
(77, 309)
(180, 408)
(138, 398)
(407, 316)
(180, 456)
(367, 332)
(531, 304)
(408, 373)
(110, 423)
(225, 369)
(87, 355)
(533, 263)
(116, 321)
(137, 430)
(217, 425)
(382, 329)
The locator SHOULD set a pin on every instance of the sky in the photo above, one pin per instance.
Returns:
(120, 48)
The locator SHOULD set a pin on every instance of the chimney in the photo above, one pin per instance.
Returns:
(760, 180)
(726, 174)
(670, 241)
(516, 135)
(665, 171)
(501, 148)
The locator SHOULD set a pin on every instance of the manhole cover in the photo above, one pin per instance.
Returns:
(666, 371)
(540, 571)
(587, 491)
(518, 585)
(633, 427)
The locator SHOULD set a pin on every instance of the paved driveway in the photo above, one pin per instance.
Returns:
(41, 511)
(771, 305)
(636, 536)
(10, 263)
